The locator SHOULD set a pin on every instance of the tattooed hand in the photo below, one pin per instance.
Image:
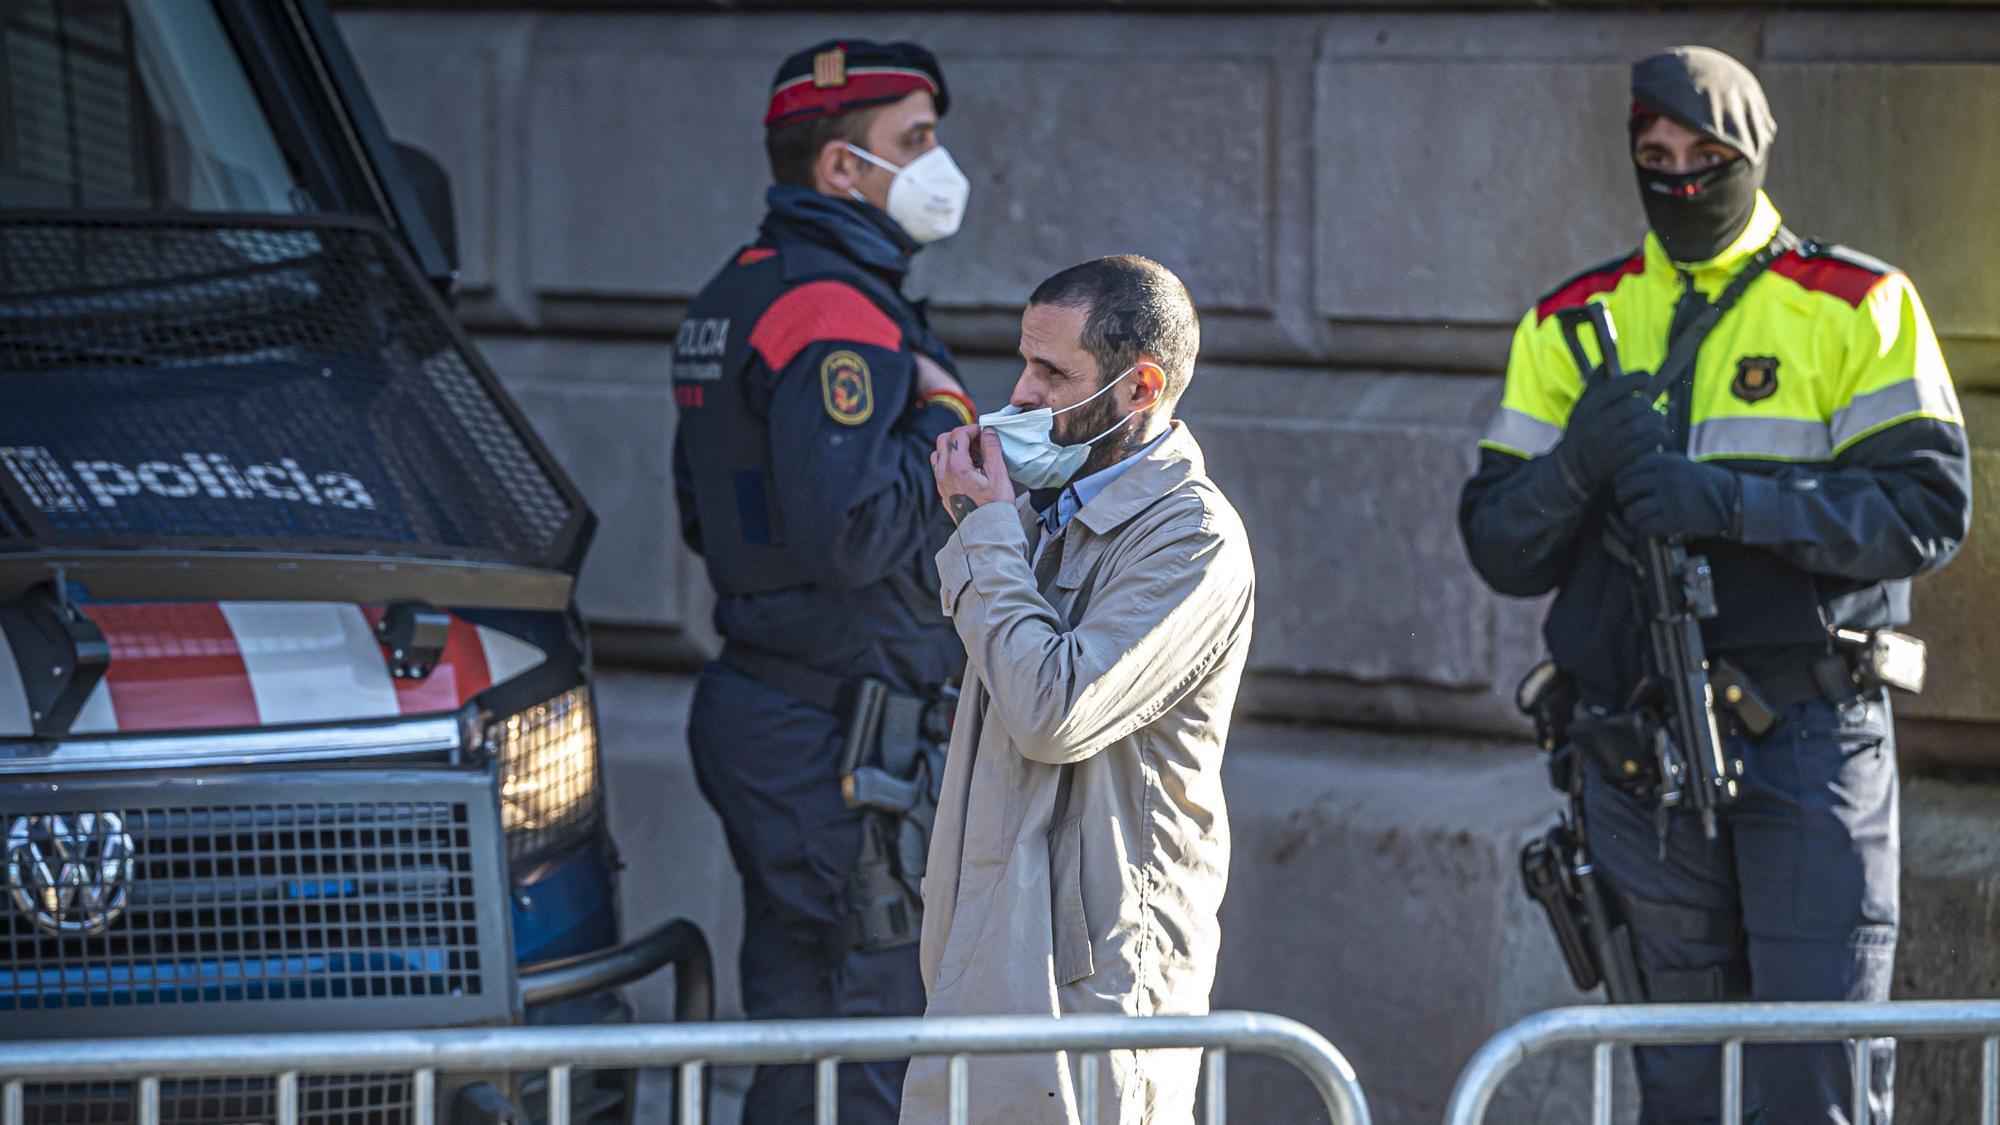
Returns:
(969, 471)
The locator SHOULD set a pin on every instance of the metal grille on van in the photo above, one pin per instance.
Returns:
(369, 905)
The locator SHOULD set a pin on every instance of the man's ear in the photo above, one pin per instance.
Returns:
(834, 169)
(1149, 383)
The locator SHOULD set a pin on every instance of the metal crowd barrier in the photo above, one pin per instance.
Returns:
(1729, 1026)
(691, 1047)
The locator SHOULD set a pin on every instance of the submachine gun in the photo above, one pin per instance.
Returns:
(1679, 591)
(892, 767)
(1676, 723)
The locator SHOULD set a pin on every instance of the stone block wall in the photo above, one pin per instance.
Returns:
(1361, 203)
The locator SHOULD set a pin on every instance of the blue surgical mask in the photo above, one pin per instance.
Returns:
(1027, 442)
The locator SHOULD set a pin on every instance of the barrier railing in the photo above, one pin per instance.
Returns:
(1729, 1026)
(691, 1047)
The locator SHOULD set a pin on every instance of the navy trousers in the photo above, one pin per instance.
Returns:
(767, 764)
(1797, 896)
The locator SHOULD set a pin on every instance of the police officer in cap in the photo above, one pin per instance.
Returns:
(811, 393)
(1815, 454)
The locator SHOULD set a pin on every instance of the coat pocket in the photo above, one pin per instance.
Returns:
(1072, 928)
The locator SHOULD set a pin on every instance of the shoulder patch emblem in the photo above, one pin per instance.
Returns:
(847, 387)
(1756, 378)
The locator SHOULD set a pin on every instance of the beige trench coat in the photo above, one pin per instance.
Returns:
(1110, 904)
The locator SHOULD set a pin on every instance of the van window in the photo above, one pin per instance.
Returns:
(132, 105)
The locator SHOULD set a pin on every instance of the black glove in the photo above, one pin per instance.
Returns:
(1666, 494)
(1612, 424)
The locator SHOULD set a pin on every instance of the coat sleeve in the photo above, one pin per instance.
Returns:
(849, 453)
(1520, 513)
(1897, 501)
(1164, 610)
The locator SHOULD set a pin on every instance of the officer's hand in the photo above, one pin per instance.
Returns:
(1610, 426)
(1666, 494)
(932, 377)
(970, 471)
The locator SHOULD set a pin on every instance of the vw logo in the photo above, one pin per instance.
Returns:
(70, 872)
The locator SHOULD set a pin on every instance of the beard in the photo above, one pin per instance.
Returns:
(1079, 426)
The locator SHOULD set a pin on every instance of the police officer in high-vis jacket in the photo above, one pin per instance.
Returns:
(811, 393)
(1816, 456)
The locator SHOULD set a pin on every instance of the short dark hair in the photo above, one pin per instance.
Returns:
(794, 149)
(1135, 307)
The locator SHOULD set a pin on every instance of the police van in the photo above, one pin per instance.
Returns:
(296, 726)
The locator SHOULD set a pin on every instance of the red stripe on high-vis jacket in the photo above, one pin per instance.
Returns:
(461, 671)
(1581, 288)
(174, 666)
(1846, 280)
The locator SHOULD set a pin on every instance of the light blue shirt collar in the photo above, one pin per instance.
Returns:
(1078, 493)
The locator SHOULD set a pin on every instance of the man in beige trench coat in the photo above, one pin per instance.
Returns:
(1081, 846)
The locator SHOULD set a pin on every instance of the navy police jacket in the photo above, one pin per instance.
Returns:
(801, 466)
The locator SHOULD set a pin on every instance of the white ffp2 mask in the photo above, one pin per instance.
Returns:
(927, 196)
(1027, 443)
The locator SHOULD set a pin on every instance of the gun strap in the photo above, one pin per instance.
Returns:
(1686, 344)
(1618, 540)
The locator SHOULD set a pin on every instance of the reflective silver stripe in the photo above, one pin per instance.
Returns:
(1932, 398)
(1517, 432)
(234, 748)
(1787, 439)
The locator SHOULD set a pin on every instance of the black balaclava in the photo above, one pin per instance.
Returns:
(1699, 214)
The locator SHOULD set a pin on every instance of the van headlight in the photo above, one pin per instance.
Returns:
(550, 792)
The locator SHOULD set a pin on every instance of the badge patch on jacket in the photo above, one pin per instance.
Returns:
(1756, 378)
(847, 387)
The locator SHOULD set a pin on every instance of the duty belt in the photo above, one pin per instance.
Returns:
(1622, 743)
(783, 674)
(1831, 678)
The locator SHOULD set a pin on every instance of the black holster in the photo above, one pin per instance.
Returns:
(1596, 945)
(1621, 745)
(891, 767)
(1545, 875)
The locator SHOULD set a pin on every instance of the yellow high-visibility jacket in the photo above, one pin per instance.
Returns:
(1823, 388)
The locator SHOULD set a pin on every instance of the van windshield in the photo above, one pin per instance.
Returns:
(132, 105)
(241, 385)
